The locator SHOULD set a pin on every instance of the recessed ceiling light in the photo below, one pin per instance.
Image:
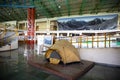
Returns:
(9, 14)
(59, 6)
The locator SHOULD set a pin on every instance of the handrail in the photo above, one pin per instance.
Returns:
(80, 40)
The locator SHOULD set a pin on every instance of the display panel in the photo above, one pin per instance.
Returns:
(101, 22)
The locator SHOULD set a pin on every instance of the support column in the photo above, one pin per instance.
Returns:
(31, 22)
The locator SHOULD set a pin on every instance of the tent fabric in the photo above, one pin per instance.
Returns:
(66, 50)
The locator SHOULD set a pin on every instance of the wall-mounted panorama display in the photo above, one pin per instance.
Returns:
(101, 22)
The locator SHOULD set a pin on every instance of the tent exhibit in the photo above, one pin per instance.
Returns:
(66, 72)
(62, 51)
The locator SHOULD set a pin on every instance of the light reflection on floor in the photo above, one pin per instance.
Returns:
(14, 66)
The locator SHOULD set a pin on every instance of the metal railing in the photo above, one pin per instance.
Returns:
(84, 41)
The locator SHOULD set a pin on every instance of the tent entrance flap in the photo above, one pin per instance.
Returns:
(55, 54)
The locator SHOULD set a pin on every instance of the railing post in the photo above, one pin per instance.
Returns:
(87, 41)
(80, 41)
(92, 41)
(109, 40)
(105, 40)
(97, 41)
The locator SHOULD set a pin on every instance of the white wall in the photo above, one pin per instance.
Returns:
(10, 22)
(101, 55)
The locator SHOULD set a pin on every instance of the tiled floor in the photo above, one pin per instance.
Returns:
(100, 72)
(13, 66)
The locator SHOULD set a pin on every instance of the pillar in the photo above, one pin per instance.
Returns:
(31, 22)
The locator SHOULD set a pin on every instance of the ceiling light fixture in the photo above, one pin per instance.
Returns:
(9, 13)
(59, 6)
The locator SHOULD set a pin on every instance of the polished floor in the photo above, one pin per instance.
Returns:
(14, 66)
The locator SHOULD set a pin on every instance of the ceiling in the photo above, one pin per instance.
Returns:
(17, 9)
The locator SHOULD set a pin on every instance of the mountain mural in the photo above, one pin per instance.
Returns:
(106, 22)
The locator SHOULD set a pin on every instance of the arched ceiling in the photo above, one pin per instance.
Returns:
(17, 9)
